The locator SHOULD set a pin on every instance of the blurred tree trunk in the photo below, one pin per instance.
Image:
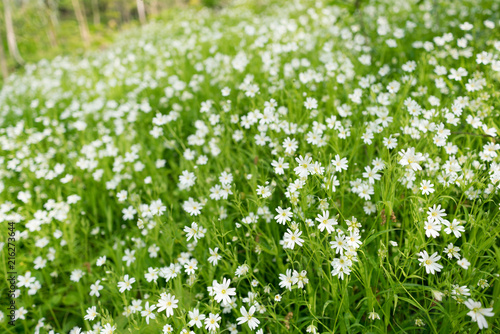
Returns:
(52, 22)
(82, 22)
(180, 3)
(11, 35)
(95, 12)
(154, 8)
(124, 11)
(3, 61)
(142, 12)
(54, 11)
(52, 34)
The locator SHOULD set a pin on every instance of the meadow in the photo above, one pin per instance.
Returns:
(284, 167)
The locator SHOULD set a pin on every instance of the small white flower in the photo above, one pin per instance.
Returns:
(464, 263)
(430, 262)
(126, 284)
(478, 313)
(248, 317)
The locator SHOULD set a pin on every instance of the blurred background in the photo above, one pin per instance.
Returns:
(31, 30)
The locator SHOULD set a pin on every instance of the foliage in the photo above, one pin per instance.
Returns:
(338, 163)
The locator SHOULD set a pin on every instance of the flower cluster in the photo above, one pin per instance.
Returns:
(291, 167)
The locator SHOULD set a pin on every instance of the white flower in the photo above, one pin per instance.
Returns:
(291, 238)
(167, 329)
(466, 26)
(242, 270)
(390, 142)
(152, 274)
(305, 166)
(436, 214)
(280, 166)
(91, 313)
(136, 306)
(371, 174)
(192, 207)
(129, 213)
(286, 281)
(25, 280)
(283, 216)
(478, 313)
(438, 296)
(341, 266)
(223, 292)
(427, 187)
(354, 240)
(129, 257)
(290, 145)
(248, 317)
(100, 261)
(95, 288)
(148, 312)
(226, 178)
(432, 228)
(374, 316)
(411, 159)
(464, 263)
(340, 164)
(212, 322)
(311, 103)
(325, 222)
(312, 329)
(339, 244)
(263, 191)
(453, 227)
(122, 196)
(196, 318)
(214, 256)
(76, 275)
(452, 251)
(300, 278)
(108, 329)
(186, 180)
(430, 262)
(126, 284)
(195, 231)
(167, 302)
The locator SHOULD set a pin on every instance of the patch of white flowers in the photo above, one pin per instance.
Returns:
(254, 173)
